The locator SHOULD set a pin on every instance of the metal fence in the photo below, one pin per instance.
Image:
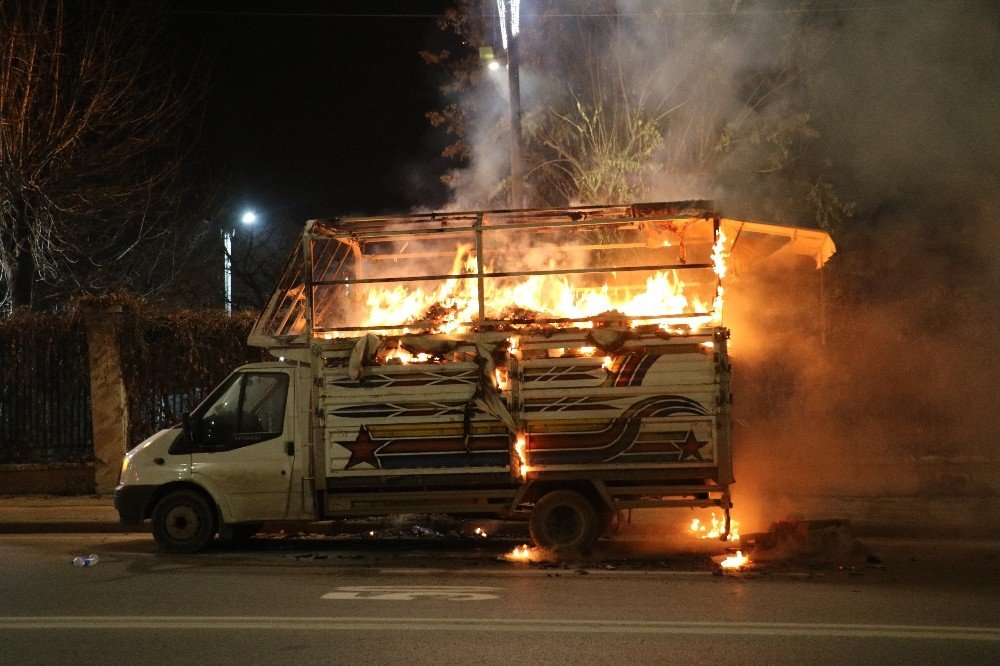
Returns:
(44, 391)
(169, 362)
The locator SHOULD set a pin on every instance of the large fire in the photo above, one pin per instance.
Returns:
(454, 302)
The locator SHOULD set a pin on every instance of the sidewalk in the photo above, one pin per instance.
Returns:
(58, 514)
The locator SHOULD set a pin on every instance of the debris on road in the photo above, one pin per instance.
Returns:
(85, 560)
(817, 542)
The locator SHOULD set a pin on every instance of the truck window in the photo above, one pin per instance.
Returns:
(250, 410)
(263, 409)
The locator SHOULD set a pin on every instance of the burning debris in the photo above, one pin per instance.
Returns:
(715, 528)
(506, 270)
(401, 355)
(817, 541)
(524, 553)
(732, 562)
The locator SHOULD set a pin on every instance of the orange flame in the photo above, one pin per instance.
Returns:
(502, 377)
(715, 528)
(521, 554)
(521, 449)
(735, 561)
(455, 302)
(406, 357)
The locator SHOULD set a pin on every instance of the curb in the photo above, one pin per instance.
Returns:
(67, 528)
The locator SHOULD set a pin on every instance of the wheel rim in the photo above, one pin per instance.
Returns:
(182, 523)
(564, 525)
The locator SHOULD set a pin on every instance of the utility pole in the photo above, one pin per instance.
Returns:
(514, 93)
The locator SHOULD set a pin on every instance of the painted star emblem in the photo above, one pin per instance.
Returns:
(691, 447)
(362, 450)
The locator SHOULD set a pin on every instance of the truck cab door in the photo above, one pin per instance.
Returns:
(243, 444)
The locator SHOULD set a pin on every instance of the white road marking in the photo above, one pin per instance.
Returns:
(412, 592)
(505, 625)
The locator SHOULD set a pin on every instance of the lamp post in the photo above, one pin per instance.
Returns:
(510, 17)
(249, 217)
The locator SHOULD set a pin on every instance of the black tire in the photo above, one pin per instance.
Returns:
(183, 522)
(564, 521)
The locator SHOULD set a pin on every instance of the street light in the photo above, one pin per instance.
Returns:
(249, 217)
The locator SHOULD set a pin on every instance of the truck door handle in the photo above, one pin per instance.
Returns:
(290, 448)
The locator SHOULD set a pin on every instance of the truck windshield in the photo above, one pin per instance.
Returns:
(250, 409)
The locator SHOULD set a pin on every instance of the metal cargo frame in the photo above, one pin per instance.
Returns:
(293, 325)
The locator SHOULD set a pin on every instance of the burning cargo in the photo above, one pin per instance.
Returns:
(559, 365)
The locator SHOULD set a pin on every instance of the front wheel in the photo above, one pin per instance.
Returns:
(566, 522)
(183, 522)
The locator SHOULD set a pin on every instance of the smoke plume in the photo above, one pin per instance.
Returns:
(876, 121)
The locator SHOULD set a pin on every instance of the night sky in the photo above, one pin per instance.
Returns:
(316, 108)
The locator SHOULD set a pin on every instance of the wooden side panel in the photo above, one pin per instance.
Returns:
(653, 404)
(409, 419)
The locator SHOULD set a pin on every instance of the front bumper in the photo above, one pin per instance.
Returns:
(131, 502)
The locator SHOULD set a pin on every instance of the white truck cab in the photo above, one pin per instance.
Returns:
(235, 462)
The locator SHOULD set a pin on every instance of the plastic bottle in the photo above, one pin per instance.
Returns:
(85, 561)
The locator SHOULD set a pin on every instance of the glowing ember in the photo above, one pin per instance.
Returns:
(480, 532)
(719, 255)
(406, 357)
(521, 449)
(608, 362)
(587, 351)
(715, 528)
(520, 554)
(735, 561)
(501, 377)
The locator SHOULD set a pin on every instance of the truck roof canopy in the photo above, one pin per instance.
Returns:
(488, 251)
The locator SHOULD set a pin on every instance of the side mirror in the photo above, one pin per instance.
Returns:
(190, 426)
(185, 442)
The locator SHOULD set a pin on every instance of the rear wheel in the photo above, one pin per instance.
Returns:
(566, 522)
(183, 522)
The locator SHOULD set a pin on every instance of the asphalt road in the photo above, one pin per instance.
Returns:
(358, 601)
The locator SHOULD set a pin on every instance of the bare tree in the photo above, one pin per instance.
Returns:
(91, 124)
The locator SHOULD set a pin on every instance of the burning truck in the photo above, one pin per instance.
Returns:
(556, 365)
